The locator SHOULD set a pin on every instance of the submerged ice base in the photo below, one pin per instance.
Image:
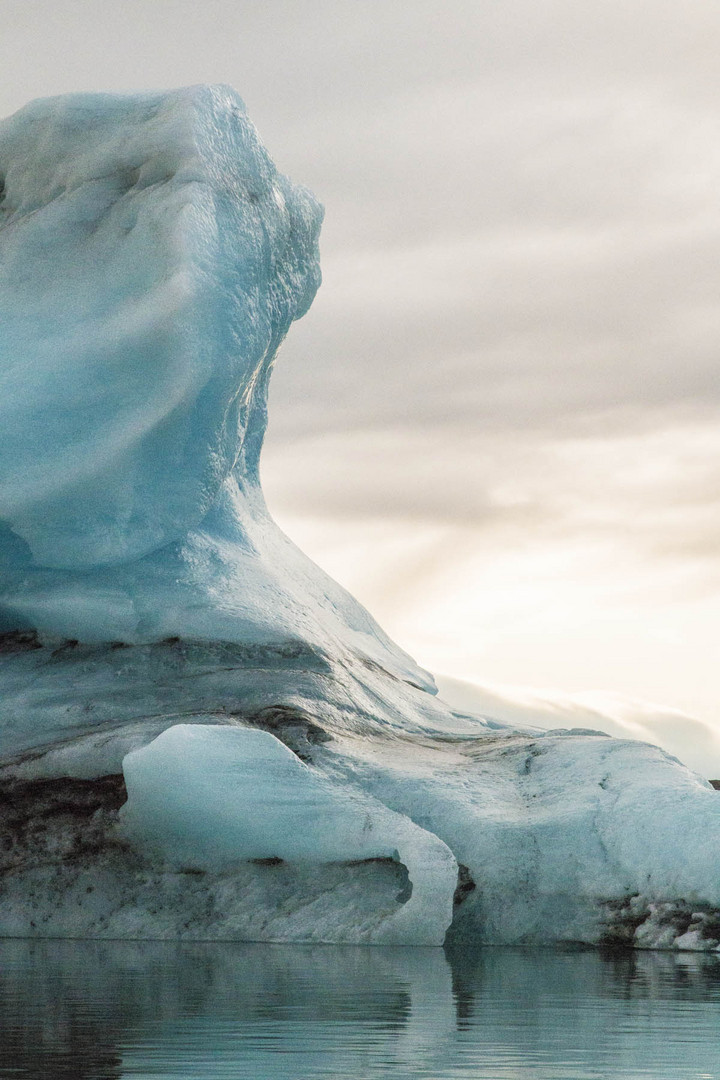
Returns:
(201, 734)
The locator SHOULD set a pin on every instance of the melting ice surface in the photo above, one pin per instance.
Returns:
(115, 1010)
(201, 735)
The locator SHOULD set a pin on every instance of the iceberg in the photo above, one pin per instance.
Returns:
(201, 734)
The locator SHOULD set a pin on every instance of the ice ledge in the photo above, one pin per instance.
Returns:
(210, 797)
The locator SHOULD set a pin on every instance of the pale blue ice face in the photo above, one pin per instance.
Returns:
(151, 261)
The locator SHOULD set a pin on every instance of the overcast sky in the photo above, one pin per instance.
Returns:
(498, 425)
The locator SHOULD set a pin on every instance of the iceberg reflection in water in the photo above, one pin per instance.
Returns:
(102, 1010)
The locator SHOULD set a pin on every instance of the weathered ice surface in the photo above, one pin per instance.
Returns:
(202, 735)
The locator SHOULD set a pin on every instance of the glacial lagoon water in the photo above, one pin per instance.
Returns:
(109, 1010)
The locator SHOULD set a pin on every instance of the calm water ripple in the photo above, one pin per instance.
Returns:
(210, 1011)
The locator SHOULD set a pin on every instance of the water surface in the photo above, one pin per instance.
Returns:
(107, 1010)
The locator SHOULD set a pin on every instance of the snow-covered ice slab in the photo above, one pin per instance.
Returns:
(201, 734)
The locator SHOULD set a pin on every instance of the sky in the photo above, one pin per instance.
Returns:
(498, 425)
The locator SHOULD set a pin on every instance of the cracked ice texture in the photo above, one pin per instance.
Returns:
(152, 260)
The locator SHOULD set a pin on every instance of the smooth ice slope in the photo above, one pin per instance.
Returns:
(202, 735)
(694, 741)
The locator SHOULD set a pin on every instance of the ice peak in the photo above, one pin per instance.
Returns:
(152, 259)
